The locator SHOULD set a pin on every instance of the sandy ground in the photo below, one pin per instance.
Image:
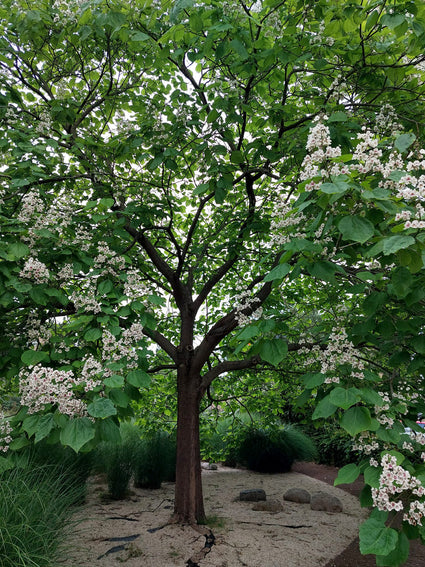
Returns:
(295, 537)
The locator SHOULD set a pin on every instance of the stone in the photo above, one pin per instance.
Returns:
(325, 502)
(268, 506)
(252, 495)
(299, 495)
(209, 466)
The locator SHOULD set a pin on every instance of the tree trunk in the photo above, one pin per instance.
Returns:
(188, 502)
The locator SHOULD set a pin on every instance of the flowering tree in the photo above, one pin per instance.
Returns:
(205, 188)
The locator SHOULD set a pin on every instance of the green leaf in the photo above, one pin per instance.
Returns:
(18, 444)
(18, 250)
(105, 287)
(370, 396)
(401, 282)
(45, 426)
(33, 357)
(30, 424)
(236, 157)
(38, 295)
(201, 189)
(139, 36)
(404, 141)
(393, 20)
(138, 378)
(120, 398)
(278, 272)
(356, 228)
(114, 381)
(372, 476)
(344, 398)
(347, 474)
(372, 19)
(239, 47)
(101, 407)
(336, 188)
(356, 419)
(312, 380)
(394, 243)
(338, 117)
(273, 351)
(398, 556)
(93, 335)
(324, 270)
(376, 538)
(77, 432)
(325, 408)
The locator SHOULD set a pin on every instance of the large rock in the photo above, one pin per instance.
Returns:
(299, 495)
(325, 502)
(268, 506)
(252, 495)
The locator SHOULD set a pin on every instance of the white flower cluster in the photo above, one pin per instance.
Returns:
(386, 121)
(114, 350)
(44, 124)
(338, 89)
(320, 153)
(66, 273)
(320, 38)
(91, 369)
(366, 443)
(283, 224)
(395, 483)
(243, 301)
(108, 261)
(67, 10)
(36, 332)
(82, 238)
(134, 287)
(43, 386)
(86, 299)
(35, 270)
(368, 158)
(11, 116)
(367, 152)
(5, 431)
(381, 416)
(31, 205)
(338, 351)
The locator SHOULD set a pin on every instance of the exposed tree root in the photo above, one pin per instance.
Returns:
(209, 542)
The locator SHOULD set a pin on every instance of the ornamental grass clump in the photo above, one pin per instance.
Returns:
(116, 461)
(274, 450)
(36, 506)
(155, 460)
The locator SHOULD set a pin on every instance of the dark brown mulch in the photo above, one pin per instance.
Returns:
(351, 556)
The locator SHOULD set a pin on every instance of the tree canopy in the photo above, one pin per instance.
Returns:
(203, 188)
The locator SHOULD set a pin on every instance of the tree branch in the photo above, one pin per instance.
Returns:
(162, 341)
(228, 366)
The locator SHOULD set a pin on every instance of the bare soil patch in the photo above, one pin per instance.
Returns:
(135, 531)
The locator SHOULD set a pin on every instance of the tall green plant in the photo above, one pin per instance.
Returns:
(155, 460)
(36, 506)
(272, 450)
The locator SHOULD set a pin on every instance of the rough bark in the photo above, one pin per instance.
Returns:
(188, 502)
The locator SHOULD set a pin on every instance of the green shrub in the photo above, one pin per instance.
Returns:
(35, 508)
(273, 450)
(155, 460)
(334, 447)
